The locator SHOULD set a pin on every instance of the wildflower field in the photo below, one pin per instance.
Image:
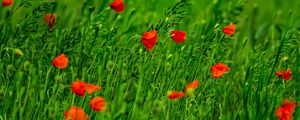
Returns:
(149, 59)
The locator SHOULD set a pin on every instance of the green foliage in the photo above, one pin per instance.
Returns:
(104, 48)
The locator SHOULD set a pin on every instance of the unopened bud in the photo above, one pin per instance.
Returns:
(18, 52)
(285, 58)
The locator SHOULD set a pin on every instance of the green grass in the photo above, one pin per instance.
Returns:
(104, 48)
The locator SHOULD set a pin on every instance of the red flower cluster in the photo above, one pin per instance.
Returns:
(7, 2)
(117, 5)
(60, 61)
(285, 74)
(285, 112)
(219, 69)
(80, 87)
(189, 87)
(149, 39)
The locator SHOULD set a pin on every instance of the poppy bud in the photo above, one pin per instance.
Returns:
(18, 52)
(50, 20)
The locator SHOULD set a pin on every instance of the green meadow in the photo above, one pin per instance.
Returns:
(104, 48)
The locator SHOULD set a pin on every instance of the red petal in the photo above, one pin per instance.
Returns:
(90, 88)
(117, 5)
(75, 113)
(149, 35)
(219, 69)
(60, 61)
(229, 30)
(192, 85)
(149, 39)
(7, 2)
(279, 112)
(97, 103)
(175, 95)
(178, 36)
(279, 73)
(79, 88)
(285, 74)
(285, 112)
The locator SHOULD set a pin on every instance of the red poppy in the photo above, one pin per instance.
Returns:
(60, 61)
(90, 88)
(219, 69)
(175, 95)
(117, 5)
(285, 74)
(193, 85)
(7, 2)
(229, 29)
(80, 87)
(149, 39)
(75, 113)
(97, 103)
(178, 36)
(285, 112)
(50, 20)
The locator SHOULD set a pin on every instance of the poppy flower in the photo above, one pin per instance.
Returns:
(7, 2)
(97, 103)
(175, 95)
(75, 113)
(178, 36)
(285, 112)
(90, 88)
(60, 61)
(50, 20)
(193, 85)
(117, 5)
(149, 39)
(80, 87)
(285, 74)
(229, 29)
(218, 70)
